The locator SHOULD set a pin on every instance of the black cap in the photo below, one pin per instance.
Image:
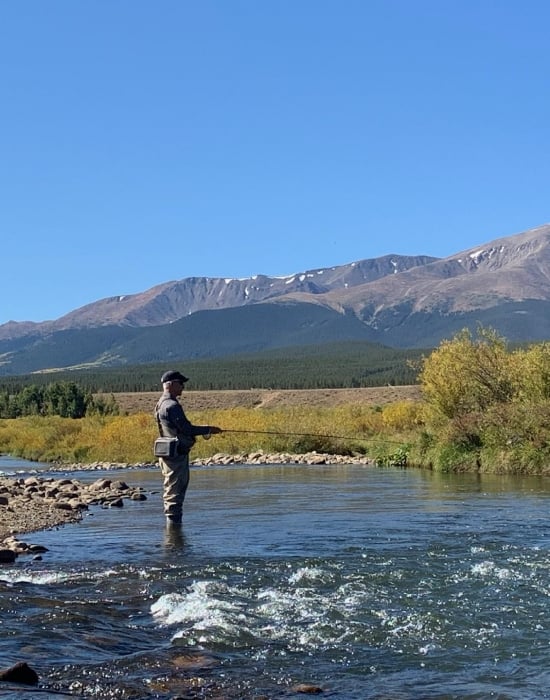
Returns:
(173, 376)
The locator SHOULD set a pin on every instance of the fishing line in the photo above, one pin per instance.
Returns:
(317, 435)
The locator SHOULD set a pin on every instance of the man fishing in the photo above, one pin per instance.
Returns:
(172, 422)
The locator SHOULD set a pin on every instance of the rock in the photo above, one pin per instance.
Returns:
(20, 673)
(16, 546)
(100, 485)
(119, 486)
(307, 688)
(34, 548)
(69, 487)
(194, 661)
(77, 504)
(62, 505)
(7, 556)
(316, 459)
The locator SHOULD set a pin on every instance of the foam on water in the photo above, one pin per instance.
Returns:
(307, 573)
(207, 607)
(489, 568)
(49, 578)
(39, 578)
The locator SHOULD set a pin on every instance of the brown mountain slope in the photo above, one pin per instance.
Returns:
(397, 301)
(168, 302)
(514, 268)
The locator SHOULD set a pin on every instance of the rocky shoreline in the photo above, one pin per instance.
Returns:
(32, 504)
(223, 459)
(41, 503)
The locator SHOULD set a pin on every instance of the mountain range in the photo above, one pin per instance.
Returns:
(398, 301)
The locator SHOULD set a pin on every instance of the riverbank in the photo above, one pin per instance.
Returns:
(34, 503)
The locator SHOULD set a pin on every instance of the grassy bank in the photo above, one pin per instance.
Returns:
(344, 429)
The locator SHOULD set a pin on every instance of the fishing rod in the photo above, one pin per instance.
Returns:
(317, 435)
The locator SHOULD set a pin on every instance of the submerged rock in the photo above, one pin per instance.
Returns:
(7, 556)
(307, 688)
(19, 673)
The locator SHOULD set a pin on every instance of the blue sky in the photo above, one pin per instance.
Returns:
(143, 142)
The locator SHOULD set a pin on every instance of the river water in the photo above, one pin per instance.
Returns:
(361, 582)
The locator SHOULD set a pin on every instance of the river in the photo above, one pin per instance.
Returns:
(362, 582)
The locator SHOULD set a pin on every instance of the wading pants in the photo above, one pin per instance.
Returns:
(176, 479)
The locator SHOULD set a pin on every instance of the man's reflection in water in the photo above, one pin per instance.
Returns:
(174, 539)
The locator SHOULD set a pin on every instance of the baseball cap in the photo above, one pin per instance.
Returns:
(173, 376)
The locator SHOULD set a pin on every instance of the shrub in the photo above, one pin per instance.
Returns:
(402, 415)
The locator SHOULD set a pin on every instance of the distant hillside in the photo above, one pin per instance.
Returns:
(349, 364)
(396, 301)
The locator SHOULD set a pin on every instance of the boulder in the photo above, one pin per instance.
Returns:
(307, 688)
(7, 556)
(20, 673)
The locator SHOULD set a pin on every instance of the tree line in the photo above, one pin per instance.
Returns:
(65, 399)
(353, 364)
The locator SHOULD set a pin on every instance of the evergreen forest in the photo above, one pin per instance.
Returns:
(353, 364)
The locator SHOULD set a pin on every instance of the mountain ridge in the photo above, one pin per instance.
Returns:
(170, 301)
(400, 301)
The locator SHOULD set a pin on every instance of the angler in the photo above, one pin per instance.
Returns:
(176, 438)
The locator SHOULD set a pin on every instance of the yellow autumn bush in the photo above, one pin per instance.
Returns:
(341, 429)
(402, 416)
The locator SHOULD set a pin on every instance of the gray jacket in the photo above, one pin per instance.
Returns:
(173, 422)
